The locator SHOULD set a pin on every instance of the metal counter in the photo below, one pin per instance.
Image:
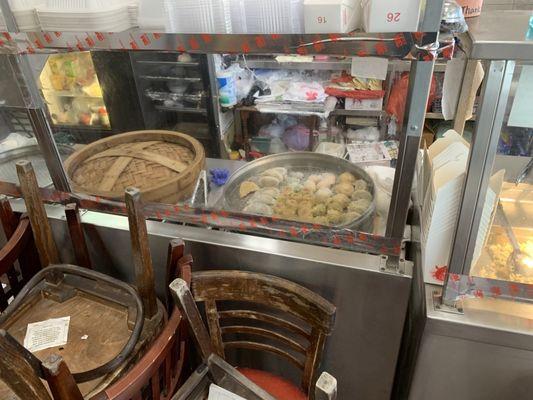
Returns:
(475, 355)
(371, 305)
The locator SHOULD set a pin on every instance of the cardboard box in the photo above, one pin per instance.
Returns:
(332, 16)
(391, 15)
(364, 104)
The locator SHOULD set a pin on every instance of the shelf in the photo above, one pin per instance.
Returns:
(170, 78)
(436, 115)
(176, 63)
(82, 127)
(202, 111)
(65, 93)
(388, 45)
(330, 65)
(359, 113)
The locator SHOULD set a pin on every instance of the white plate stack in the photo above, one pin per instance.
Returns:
(24, 13)
(87, 15)
(267, 16)
(198, 16)
(152, 16)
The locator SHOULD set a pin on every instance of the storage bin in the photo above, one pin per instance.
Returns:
(391, 15)
(332, 16)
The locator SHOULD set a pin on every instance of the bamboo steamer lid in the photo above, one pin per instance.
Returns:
(164, 165)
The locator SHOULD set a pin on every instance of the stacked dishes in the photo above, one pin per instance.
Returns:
(87, 15)
(267, 16)
(24, 13)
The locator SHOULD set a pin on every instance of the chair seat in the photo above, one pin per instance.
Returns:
(277, 386)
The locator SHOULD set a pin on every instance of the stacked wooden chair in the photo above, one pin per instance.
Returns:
(112, 323)
(295, 328)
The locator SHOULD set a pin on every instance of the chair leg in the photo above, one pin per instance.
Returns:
(187, 306)
(60, 380)
(44, 241)
(326, 387)
(176, 249)
(144, 271)
(77, 237)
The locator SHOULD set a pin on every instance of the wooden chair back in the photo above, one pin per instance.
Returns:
(21, 371)
(157, 374)
(294, 326)
(19, 247)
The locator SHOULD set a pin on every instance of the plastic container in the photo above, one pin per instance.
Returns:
(198, 16)
(227, 90)
(391, 15)
(267, 16)
(332, 16)
(152, 15)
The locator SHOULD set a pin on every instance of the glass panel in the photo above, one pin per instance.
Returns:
(251, 115)
(508, 250)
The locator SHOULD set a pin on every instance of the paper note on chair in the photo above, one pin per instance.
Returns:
(218, 393)
(45, 334)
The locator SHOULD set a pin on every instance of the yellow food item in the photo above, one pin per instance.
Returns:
(246, 188)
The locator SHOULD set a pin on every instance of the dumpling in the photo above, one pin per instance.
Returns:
(246, 188)
(268, 181)
(359, 206)
(310, 186)
(360, 184)
(351, 216)
(344, 188)
(327, 180)
(270, 191)
(258, 208)
(314, 178)
(321, 220)
(323, 194)
(264, 198)
(334, 216)
(296, 175)
(305, 211)
(318, 210)
(279, 173)
(340, 198)
(361, 194)
(346, 177)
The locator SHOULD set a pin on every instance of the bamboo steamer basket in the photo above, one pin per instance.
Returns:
(164, 165)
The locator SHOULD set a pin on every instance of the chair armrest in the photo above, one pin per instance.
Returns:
(326, 387)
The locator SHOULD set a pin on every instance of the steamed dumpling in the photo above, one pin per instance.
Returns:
(327, 180)
(260, 197)
(351, 216)
(279, 173)
(344, 188)
(361, 194)
(346, 177)
(340, 198)
(270, 191)
(323, 194)
(360, 184)
(310, 186)
(334, 216)
(268, 181)
(258, 208)
(359, 206)
(318, 210)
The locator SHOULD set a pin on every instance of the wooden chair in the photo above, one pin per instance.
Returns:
(19, 247)
(159, 371)
(303, 347)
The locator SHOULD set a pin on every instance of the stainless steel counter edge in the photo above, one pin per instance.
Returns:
(462, 326)
(302, 251)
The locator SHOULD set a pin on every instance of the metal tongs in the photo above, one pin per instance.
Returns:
(517, 259)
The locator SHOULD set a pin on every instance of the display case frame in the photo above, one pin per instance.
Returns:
(421, 48)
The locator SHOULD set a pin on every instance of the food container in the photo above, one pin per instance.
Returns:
(332, 16)
(391, 15)
(164, 165)
(307, 162)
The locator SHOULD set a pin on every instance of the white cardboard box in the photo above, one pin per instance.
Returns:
(364, 104)
(391, 15)
(332, 16)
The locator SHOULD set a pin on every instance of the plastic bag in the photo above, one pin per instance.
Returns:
(297, 137)
(273, 130)
(398, 96)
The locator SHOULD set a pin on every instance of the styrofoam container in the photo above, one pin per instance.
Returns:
(332, 16)
(391, 15)
(363, 104)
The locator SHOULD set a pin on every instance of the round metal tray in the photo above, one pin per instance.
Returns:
(305, 162)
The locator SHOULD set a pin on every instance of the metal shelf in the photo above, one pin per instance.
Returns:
(182, 109)
(330, 65)
(169, 78)
(406, 45)
(359, 113)
(176, 63)
(436, 115)
(65, 93)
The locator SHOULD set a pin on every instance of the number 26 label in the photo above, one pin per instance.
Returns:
(393, 17)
